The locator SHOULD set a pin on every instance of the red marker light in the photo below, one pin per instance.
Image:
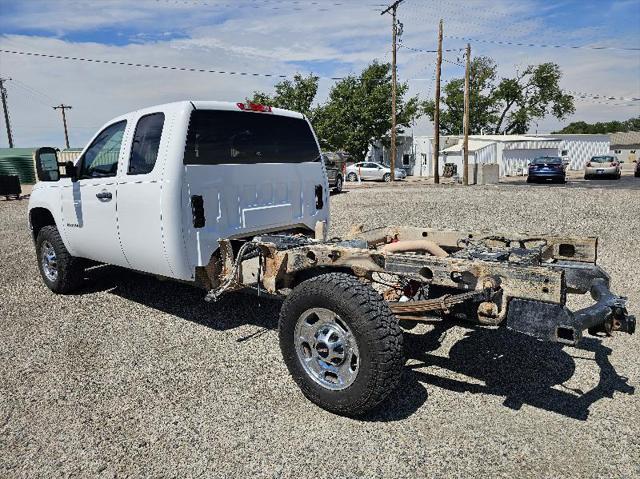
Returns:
(249, 106)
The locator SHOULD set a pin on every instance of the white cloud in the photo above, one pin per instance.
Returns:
(239, 36)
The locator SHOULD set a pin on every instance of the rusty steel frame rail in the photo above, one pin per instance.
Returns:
(567, 266)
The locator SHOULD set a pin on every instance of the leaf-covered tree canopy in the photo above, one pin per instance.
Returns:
(577, 127)
(509, 105)
(357, 112)
(296, 95)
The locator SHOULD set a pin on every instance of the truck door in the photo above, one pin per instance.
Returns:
(89, 204)
(140, 197)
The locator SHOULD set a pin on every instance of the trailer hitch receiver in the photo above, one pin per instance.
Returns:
(555, 322)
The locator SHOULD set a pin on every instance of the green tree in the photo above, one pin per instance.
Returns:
(506, 106)
(296, 95)
(358, 111)
(577, 127)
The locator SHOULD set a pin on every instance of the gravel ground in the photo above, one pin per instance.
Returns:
(139, 377)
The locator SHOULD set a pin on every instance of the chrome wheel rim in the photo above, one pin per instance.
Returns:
(49, 261)
(327, 349)
(339, 184)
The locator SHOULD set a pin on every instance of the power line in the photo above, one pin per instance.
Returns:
(33, 90)
(543, 45)
(420, 50)
(298, 6)
(146, 65)
(595, 96)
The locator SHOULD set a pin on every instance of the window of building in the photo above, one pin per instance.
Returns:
(406, 160)
(146, 143)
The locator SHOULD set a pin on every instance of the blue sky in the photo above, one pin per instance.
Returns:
(327, 37)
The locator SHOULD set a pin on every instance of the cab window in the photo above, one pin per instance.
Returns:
(219, 137)
(146, 143)
(101, 158)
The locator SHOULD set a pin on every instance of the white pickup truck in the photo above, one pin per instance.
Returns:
(234, 196)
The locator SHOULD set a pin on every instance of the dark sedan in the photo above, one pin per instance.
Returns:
(547, 168)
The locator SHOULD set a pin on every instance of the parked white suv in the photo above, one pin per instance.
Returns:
(157, 188)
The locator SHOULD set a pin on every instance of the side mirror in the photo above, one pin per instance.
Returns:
(46, 160)
(71, 171)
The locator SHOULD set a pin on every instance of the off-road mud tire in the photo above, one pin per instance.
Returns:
(374, 327)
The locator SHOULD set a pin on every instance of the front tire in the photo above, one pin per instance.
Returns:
(352, 177)
(387, 177)
(61, 272)
(341, 343)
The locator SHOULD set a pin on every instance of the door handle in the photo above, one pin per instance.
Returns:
(104, 195)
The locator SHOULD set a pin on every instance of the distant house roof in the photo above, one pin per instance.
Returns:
(625, 139)
(474, 145)
(512, 138)
(509, 142)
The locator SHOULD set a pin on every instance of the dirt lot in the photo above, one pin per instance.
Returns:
(139, 377)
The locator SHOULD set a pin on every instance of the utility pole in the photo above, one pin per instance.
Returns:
(3, 94)
(465, 167)
(393, 9)
(436, 114)
(64, 107)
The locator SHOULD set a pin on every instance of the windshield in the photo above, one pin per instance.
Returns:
(218, 137)
(603, 159)
(547, 160)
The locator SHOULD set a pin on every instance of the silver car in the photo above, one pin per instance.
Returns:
(368, 170)
(603, 166)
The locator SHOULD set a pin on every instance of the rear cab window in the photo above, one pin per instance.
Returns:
(146, 143)
(221, 137)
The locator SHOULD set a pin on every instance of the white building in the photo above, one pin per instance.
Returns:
(511, 152)
(625, 145)
(577, 150)
(405, 157)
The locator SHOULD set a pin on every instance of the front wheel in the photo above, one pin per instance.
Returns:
(61, 272)
(341, 343)
(352, 177)
(386, 178)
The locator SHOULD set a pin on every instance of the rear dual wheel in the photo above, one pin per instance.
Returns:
(341, 343)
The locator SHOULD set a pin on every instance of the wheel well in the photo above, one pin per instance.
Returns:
(309, 273)
(39, 218)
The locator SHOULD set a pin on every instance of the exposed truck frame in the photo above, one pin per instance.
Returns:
(520, 280)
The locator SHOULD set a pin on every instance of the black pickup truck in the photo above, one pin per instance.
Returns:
(334, 164)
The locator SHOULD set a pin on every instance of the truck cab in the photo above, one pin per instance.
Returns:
(157, 188)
